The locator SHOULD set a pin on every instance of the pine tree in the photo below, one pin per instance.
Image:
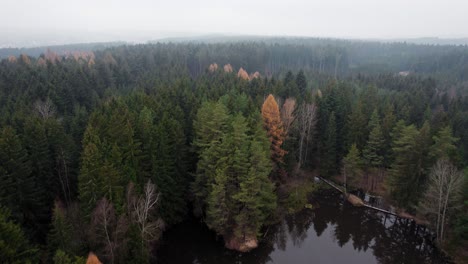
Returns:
(274, 127)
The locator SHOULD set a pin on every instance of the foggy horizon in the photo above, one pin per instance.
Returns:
(52, 22)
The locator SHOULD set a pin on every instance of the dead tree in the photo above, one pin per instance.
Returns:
(287, 114)
(45, 109)
(307, 119)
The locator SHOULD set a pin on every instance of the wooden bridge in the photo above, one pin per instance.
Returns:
(340, 189)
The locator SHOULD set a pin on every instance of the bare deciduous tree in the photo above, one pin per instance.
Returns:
(142, 211)
(45, 109)
(102, 221)
(287, 114)
(107, 230)
(442, 195)
(307, 118)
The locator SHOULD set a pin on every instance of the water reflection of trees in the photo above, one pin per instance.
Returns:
(391, 239)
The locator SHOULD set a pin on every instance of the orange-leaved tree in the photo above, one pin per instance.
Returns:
(92, 259)
(274, 127)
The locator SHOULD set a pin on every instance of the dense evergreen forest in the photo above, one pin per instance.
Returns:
(101, 151)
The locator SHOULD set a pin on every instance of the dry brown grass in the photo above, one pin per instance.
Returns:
(354, 200)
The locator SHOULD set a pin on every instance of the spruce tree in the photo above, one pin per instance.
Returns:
(373, 151)
(19, 191)
(388, 122)
(41, 159)
(14, 246)
(256, 195)
(301, 84)
(98, 177)
(230, 168)
(144, 130)
(210, 126)
(352, 166)
(290, 88)
(328, 160)
(444, 144)
(89, 182)
(168, 169)
(60, 235)
(356, 125)
(217, 212)
(237, 142)
(409, 169)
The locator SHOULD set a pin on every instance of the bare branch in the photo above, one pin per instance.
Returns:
(143, 209)
(287, 114)
(307, 119)
(45, 109)
(442, 195)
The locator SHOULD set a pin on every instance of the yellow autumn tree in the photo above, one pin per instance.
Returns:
(92, 259)
(228, 68)
(274, 127)
(12, 59)
(213, 67)
(254, 75)
(242, 74)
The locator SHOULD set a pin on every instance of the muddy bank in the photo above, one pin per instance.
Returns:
(241, 244)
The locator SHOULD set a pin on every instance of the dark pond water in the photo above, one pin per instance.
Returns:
(333, 232)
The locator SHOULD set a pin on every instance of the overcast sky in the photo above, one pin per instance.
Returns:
(318, 18)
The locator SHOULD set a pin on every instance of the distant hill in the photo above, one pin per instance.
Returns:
(431, 41)
(59, 49)
(222, 38)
